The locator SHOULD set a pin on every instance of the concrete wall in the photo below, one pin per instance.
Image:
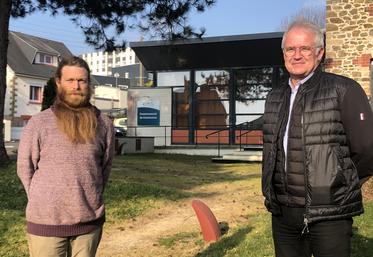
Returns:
(135, 145)
(106, 98)
(107, 92)
(164, 97)
(349, 39)
(7, 130)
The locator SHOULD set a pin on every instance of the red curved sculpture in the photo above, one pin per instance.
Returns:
(207, 221)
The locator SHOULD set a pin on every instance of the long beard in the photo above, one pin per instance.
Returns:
(78, 124)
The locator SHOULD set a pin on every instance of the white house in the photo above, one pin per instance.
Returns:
(31, 62)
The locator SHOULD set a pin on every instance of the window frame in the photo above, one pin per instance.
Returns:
(33, 94)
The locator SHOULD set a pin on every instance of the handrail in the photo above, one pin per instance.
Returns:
(241, 135)
(165, 134)
(227, 128)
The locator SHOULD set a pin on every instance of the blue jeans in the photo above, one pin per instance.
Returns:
(324, 238)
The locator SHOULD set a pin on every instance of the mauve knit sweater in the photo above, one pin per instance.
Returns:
(64, 182)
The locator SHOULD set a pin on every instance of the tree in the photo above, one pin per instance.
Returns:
(49, 94)
(166, 19)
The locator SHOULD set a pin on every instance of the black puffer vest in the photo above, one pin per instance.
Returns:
(330, 180)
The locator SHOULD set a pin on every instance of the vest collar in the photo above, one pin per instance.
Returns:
(312, 82)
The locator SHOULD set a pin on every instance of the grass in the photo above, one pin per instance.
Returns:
(12, 208)
(254, 239)
(140, 182)
(362, 243)
(183, 237)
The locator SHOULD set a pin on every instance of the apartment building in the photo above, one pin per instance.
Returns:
(102, 63)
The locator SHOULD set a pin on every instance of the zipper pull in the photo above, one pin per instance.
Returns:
(305, 228)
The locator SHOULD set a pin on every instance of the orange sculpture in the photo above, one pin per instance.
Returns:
(207, 221)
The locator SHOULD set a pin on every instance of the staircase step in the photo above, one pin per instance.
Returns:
(253, 148)
(230, 158)
(226, 160)
(246, 153)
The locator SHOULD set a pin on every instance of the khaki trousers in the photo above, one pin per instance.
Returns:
(75, 246)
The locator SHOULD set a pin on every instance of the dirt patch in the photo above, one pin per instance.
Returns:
(368, 190)
(230, 202)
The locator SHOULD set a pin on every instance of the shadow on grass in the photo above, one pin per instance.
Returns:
(361, 246)
(137, 180)
(12, 211)
(12, 194)
(179, 172)
(225, 244)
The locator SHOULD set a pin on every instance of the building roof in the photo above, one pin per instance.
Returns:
(125, 68)
(262, 49)
(22, 50)
(109, 80)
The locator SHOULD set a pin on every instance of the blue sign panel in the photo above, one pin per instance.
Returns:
(147, 116)
(148, 112)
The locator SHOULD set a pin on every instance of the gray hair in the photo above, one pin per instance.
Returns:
(318, 32)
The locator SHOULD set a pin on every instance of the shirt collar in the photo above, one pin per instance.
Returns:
(301, 82)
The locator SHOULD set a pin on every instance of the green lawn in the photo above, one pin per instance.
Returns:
(139, 182)
(12, 206)
(254, 240)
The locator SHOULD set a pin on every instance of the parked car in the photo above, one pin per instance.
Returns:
(120, 131)
(120, 122)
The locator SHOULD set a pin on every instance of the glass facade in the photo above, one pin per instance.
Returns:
(180, 83)
(211, 99)
(180, 113)
(205, 101)
(173, 79)
(251, 89)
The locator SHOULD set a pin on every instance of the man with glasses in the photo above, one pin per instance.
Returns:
(318, 150)
(64, 160)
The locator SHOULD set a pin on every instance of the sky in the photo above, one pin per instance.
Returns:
(226, 17)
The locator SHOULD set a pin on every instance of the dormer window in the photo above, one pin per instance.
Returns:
(46, 59)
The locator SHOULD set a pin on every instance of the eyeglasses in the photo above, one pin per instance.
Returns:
(304, 50)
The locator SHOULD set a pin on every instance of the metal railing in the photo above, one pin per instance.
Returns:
(164, 136)
(248, 128)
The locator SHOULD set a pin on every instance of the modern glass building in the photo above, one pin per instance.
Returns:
(207, 85)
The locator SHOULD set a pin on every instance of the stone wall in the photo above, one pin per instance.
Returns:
(349, 39)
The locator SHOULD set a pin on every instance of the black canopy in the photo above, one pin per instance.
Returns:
(212, 52)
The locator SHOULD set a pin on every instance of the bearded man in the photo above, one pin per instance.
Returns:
(64, 160)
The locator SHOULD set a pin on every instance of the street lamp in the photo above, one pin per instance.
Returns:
(116, 75)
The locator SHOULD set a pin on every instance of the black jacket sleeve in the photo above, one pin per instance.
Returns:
(357, 118)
